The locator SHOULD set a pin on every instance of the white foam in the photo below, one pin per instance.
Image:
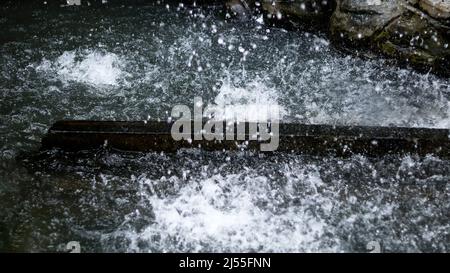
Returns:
(443, 122)
(253, 102)
(91, 66)
(227, 213)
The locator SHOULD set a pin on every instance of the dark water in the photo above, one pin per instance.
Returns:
(134, 63)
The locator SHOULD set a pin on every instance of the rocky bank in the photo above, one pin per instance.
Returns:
(415, 32)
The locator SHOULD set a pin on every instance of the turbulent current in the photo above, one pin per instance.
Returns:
(136, 63)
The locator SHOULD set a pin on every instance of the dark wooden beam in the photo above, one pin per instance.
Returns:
(299, 138)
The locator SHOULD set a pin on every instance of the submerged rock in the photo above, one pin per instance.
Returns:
(299, 12)
(302, 9)
(239, 9)
(293, 13)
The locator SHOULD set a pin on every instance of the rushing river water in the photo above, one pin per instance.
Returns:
(135, 63)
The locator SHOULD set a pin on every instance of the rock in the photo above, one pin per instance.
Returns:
(356, 21)
(416, 32)
(417, 41)
(239, 9)
(396, 28)
(436, 8)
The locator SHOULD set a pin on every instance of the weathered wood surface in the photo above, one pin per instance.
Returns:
(298, 138)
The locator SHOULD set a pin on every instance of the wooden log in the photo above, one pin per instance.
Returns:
(298, 138)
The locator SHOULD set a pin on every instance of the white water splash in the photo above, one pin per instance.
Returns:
(234, 213)
(90, 67)
(253, 102)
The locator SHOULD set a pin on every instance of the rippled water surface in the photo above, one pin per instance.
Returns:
(134, 63)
